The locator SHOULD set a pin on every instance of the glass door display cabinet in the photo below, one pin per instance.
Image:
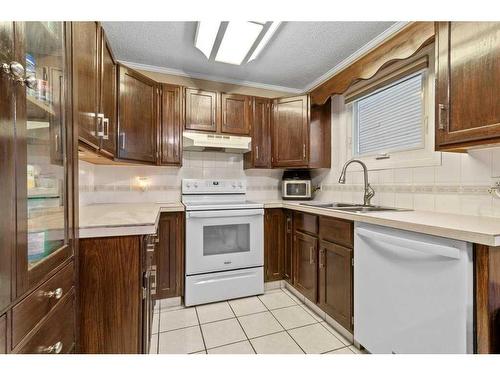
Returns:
(35, 66)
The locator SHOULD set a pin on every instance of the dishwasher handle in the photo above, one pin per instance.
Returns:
(420, 246)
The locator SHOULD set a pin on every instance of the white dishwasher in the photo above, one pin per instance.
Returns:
(413, 293)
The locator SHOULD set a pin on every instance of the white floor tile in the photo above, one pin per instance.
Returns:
(341, 351)
(245, 306)
(153, 348)
(214, 311)
(200, 352)
(293, 296)
(338, 335)
(242, 347)
(176, 319)
(293, 317)
(315, 339)
(260, 324)
(181, 341)
(276, 300)
(278, 343)
(222, 333)
(314, 311)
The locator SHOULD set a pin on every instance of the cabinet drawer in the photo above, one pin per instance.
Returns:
(336, 230)
(57, 333)
(32, 309)
(305, 222)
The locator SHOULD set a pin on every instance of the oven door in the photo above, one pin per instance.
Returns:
(224, 240)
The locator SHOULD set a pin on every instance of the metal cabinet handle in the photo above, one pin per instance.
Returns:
(105, 128)
(442, 116)
(256, 152)
(150, 248)
(56, 293)
(304, 151)
(100, 125)
(322, 258)
(311, 260)
(53, 349)
(29, 81)
(14, 69)
(122, 135)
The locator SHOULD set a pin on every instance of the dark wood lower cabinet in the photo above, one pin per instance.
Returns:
(111, 294)
(306, 265)
(274, 242)
(170, 256)
(335, 282)
(3, 334)
(288, 247)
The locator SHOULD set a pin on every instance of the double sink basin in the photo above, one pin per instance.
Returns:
(355, 208)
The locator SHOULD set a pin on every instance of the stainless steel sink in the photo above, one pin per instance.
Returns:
(351, 207)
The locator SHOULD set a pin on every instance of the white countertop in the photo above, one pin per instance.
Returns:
(122, 219)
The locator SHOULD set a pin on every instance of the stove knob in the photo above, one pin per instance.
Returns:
(233, 185)
(188, 185)
(240, 185)
(196, 185)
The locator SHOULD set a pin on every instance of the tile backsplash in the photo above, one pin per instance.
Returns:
(114, 184)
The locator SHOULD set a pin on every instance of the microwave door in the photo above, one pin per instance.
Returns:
(297, 190)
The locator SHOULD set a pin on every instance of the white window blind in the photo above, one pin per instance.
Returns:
(390, 119)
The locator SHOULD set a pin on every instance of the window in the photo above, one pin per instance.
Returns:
(390, 119)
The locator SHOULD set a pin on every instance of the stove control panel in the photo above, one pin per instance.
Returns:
(209, 186)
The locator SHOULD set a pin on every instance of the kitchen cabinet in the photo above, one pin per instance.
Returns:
(201, 109)
(288, 247)
(137, 117)
(306, 262)
(236, 114)
(467, 81)
(290, 132)
(149, 288)
(274, 242)
(94, 82)
(3, 334)
(260, 155)
(170, 256)
(37, 238)
(335, 282)
(115, 288)
(171, 125)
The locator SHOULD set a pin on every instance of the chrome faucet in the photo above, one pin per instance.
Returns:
(369, 192)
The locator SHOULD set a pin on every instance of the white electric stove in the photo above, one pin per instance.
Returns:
(224, 241)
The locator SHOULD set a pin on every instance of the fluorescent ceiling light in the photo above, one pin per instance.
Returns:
(205, 36)
(238, 39)
(272, 29)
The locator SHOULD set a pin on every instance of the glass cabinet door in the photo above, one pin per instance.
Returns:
(43, 216)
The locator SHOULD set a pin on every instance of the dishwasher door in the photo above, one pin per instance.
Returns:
(413, 293)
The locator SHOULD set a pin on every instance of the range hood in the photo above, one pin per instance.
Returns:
(215, 142)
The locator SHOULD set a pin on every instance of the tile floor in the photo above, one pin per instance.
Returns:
(274, 323)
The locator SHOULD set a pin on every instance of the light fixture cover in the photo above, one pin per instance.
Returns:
(238, 39)
(206, 32)
(263, 42)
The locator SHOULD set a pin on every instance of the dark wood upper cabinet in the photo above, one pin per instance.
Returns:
(274, 242)
(137, 117)
(171, 124)
(290, 132)
(236, 114)
(107, 97)
(86, 81)
(335, 282)
(169, 256)
(201, 110)
(260, 155)
(467, 82)
(306, 264)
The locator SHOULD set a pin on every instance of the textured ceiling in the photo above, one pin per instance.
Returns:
(297, 55)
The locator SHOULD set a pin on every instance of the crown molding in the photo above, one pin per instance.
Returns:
(208, 77)
(379, 39)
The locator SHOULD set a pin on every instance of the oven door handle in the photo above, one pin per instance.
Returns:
(225, 213)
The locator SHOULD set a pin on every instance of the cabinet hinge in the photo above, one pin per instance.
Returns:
(144, 293)
(352, 262)
(352, 320)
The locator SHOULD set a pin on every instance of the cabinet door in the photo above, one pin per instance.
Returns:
(260, 156)
(171, 125)
(288, 248)
(3, 333)
(201, 110)
(86, 81)
(306, 255)
(335, 282)
(44, 191)
(7, 166)
(107, 108)
(236, 114)
(169, 256)
(273, 244)
(468, 78)
(290, 138)
(137, 117)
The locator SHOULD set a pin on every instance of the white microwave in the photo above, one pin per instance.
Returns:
(296, 189)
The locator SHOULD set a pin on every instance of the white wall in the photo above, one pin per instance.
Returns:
(114, 184)
(459, 185)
